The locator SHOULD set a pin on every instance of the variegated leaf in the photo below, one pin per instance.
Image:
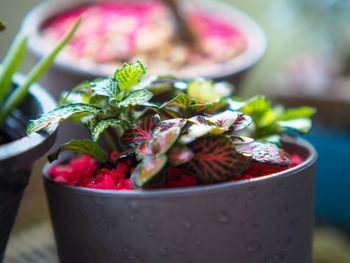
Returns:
(167, 124)
(141, 131)
(135, 98)
(107, 87)
(258, 108)
(181, 100)
(265, 153)
(101, 125)
(163, 141)
(194, 132)
(129, 75)
(224, 119)
(147, 170)
(215, 159)
(241, 139)
(241, 122)
(179, 155)
(62, 113)
(86, 147)
(160, 143)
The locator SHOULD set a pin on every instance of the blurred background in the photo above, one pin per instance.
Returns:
(307, 63)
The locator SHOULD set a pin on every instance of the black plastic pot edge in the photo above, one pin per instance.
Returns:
(19, 153)
(256, 38)
(310, 160)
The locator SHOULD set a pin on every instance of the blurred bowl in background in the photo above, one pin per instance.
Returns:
(67, 71)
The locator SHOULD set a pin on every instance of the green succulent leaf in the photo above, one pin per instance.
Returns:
(86, 147)
(102, 125)
(265, 153)
(61, 113)
(141, 131)
(106, 87)
(179, 155)
(147, 170)
(135, 98)
(215, 159)
(129, 75)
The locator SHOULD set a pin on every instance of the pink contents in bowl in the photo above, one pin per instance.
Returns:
(117, 32)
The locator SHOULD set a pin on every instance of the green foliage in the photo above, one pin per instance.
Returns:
(211, 136)
(10, 65)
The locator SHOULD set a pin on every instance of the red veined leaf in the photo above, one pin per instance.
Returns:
(241, 122)
(241, 139)
(179, 155)
(199, 119)
(141, 131)
(215, 159)
(144, 150)
(163, 141)
(224, 119)
(167, 124)
(147, 170)
(198, 108)
(266, 153)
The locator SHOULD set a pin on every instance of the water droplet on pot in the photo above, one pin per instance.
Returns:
(279, 258)
(253, 246)
(221, 217)
(164, 252)
(187, 225)
(129, 253)
(252, 193)
(151, 229)
(134, 206)
(179, 248)
(231, 198)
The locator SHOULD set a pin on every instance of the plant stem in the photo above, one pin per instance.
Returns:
(185, 32)
(110, 141)
(11, 63)
(21, 92)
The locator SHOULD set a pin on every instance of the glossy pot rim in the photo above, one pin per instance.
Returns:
(193, 191)
(35, 142)
(255, 36)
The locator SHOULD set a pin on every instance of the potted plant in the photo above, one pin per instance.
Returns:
(202, 179)
(21, 99)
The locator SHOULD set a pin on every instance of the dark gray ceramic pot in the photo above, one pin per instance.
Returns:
(65, 75)
(267, 219)
(17, 157)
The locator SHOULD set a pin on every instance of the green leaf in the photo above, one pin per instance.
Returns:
(129, 75)
(86, 147)
(106, 87)
(80, 89)
(141, 131)
(60, 114)
(11, 62)
(135, 98)
(301, 125)
(147, 170)
(265, 153)
(100, 126)
(215, 159)
(203, 90)
(297, 113)
(257, 108)
(179, 155)
(21, 92)
(159, 144)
